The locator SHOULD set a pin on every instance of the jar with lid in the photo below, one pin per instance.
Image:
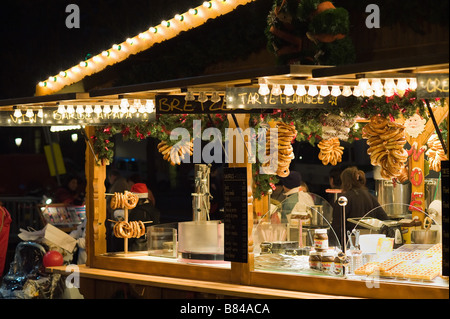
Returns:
(315, 260)
(320, 240)
(338, 266)
(327, 261)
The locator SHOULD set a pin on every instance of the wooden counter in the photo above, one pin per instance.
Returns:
(190, 285)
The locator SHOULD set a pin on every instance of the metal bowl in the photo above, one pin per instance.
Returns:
(424, 236)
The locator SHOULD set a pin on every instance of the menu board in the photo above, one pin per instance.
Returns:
(445, 168)
(236, 219)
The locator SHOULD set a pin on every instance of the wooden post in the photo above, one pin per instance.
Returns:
(240, 272)
(95, 204)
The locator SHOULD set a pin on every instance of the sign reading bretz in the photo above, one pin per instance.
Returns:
(249, 98)
(177, 104)
(432, 85)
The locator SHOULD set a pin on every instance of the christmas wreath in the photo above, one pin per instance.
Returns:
(294, 25)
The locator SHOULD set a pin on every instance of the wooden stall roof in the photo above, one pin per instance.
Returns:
(349, 74)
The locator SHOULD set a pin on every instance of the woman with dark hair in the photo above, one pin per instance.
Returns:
(359, 201)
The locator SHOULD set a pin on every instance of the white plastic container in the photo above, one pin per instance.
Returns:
(368, 243)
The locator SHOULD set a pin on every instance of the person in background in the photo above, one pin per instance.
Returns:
(359, 202)
(69, 193)
(292, 184)
(144, 211)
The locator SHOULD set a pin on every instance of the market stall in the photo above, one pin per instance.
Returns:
(409, 270)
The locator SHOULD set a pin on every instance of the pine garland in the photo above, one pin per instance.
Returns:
(307, 122)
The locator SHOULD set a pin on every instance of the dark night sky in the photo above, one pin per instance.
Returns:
(36, 42)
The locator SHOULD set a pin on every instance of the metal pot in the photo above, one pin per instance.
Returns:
(395, 198)
(424, 236)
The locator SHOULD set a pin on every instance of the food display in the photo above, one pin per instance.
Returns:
(283, 145)
(386, 140)
(132, 229)
(435, 153)
(124, 200)
(330, 151)
(174, 154)
(417, 265)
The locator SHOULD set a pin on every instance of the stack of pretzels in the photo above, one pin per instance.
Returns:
(330, 151)
(132, 229)
(176, 153)
(435, 153)
(282, 142)
(124, 200)
(386, 140)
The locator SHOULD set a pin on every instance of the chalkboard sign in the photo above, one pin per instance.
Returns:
(236, 220)
(432, 85)
(177, 104)
(248, 98)
(445, 171)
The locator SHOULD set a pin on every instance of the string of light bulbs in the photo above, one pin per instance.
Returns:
(166, 30)
(364, 88)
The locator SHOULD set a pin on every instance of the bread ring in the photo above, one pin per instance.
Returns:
(130, 200)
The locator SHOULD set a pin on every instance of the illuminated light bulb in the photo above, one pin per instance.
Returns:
(263, 89)
(202, 97)
(207, 4)
(364, 84)
(88, 109)
(288, 90)
(84, 64)
(74, 137)
(276, 90)
(347, 91)
(97, 109)
(97, 59)
(324, 90)
(80, 109)
(40, 113)
(17, 113)
(63, 74)
(76, 69)
(150, 106)
(130, 41)
(413, 83)
(115, 109)
(335, 90)
(153, 29)
(389, 92)
(193, 11)
(117, 47)
(165, 23)
(42, 84)
(179, 17)
(378, 92)
(132, 109)
(301, 90)
(105, 54)
(376, 84)
(357, 91)
(402, 85)
(70, 109)
(106, 109)
(190, 96)
(215, 97)
(61, 109)
(368, 92)
(124, 105)
(312, 90)
(53, 78)
(18, 141)
(389, 84)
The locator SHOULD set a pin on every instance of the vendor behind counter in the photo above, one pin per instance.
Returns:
(360, 202)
